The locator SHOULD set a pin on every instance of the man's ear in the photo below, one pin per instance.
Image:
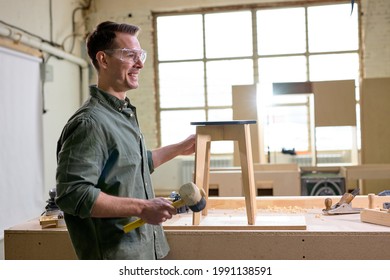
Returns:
(101, 58)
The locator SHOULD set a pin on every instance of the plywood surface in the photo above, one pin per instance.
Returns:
(228, 219)
(375, 120)
(325, 237)
(335, 103)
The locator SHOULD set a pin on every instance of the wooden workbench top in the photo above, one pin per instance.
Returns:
(325, 237)
(232, 210)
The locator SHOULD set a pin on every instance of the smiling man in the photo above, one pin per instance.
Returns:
(103, 172)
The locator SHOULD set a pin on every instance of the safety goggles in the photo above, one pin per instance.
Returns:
(128, 55)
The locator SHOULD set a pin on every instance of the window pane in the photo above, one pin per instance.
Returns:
(220, 115)
(228, 34)
(333, 28)
(334, 67)
(175, 125)
(221, 147)
(181, 84)
(281, 31)
(282, 69)
(180, 37)
(334, 138)
(287, 127)
(336, 145)
(221, 75)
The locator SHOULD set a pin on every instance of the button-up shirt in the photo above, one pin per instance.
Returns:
(101, 148)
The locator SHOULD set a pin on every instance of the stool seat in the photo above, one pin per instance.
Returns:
(236, 130)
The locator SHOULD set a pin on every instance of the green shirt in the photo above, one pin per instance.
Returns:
(101, 148)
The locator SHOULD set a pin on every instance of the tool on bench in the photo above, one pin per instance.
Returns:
(52, 216)
(344, 206)
(190, 195)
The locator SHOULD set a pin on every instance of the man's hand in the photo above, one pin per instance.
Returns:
(166, 153)
(158, 210)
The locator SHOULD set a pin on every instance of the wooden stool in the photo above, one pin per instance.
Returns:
(218, 131)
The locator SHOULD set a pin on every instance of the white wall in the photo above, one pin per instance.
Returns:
(62, 95)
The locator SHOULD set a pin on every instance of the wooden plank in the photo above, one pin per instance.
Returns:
(335, 103)
(228, 219)
(366, 171)
(244, 103)
(360, 201)
(375, 129)
(375, 216)
(375, 102)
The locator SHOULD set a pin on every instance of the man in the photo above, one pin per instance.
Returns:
(103, 172)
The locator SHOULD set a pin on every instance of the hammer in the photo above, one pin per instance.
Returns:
(190, 195)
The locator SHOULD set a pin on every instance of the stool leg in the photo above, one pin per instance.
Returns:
(248, 180)
(202, 170)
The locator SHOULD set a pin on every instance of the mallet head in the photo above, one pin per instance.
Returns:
(193, 197)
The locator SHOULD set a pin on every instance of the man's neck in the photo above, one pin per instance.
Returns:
(118, 94)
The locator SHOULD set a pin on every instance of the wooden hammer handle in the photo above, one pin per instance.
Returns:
(139, 222)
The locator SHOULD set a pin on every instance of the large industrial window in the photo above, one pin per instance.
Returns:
(201, 55)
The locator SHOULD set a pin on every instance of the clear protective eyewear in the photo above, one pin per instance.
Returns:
(129, 55)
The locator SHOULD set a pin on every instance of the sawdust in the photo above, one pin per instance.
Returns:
(289, 209)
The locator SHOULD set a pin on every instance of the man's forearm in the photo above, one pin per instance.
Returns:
(107, 206)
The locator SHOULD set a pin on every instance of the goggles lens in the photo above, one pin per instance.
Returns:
(129, 55)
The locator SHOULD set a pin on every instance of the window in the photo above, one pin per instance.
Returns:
(201, 55)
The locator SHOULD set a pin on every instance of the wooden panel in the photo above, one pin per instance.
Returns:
(245, 108)
(366, 171)
(30, 242)
(375, 216)
(375, 116)
(335, 103)
(260, 245)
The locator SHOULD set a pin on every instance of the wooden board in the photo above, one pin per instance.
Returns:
(375, 216)
(335, 103)
(244, 103)
(236, 220)
(51, 221)
(375, 129)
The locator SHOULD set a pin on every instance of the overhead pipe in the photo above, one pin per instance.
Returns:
(47, 48)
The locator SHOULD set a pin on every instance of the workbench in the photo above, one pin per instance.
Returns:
(324, 237)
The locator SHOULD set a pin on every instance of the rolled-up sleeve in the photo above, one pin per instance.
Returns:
(80, 158)
(150, 161)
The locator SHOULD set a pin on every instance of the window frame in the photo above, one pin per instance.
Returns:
(253, 8)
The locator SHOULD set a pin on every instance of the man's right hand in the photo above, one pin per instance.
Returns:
(157, 210)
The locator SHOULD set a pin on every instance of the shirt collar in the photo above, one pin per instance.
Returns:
(109, 99)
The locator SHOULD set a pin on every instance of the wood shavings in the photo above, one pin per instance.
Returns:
(289, 209)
